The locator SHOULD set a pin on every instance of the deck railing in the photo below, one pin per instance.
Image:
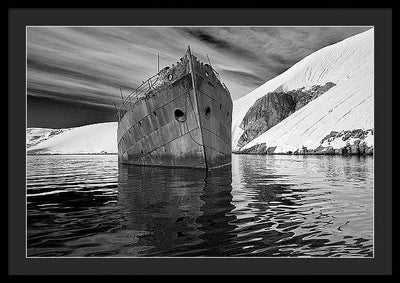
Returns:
(150, 84)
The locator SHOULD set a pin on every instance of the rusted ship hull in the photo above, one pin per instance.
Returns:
(182, 120)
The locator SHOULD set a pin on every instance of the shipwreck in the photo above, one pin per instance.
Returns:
(180, 117)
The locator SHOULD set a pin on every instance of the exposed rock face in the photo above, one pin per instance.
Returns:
(336, 143)
(302, 97)
(266, 112)
(345, 135)
(273, 107)
(355, 142)
(258, 149)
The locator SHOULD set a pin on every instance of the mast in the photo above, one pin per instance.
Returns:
(192, 74)
(191, 68)
(122, 97)
(209, 62)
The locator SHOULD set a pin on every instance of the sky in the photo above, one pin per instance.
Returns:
(74, 73)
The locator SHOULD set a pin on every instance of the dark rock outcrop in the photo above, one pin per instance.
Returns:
(273, 107)
(261, 148)
(357, 147)
(303, 97)
(359, 144)
(256, 149)
(345, 135)
(265, 113)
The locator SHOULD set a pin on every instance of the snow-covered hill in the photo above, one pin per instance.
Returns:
(90, 139)
(35, 136)
(348, 106)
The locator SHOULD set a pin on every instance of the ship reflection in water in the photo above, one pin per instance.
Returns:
(185, 211)
(261, 206)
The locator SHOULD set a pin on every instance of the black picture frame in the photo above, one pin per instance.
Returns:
(381, 19)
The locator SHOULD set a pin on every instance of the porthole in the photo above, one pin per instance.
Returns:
(170, 77)
(154, 113)
(180, 116)
(208, 112)
(220, 106)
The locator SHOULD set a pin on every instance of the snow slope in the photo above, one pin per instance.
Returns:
(90, 139)
(35, 136)
(347, 106)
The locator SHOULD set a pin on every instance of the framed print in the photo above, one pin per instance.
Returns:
(207, 141)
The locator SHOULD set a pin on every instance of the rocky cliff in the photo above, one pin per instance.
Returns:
(273, 107)
(300, 112)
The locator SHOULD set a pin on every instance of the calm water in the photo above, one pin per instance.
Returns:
(261, 206)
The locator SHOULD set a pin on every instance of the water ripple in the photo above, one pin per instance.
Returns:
(262, 206)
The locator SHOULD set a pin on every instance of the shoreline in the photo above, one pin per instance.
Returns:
(33, 154)
(304, 154)
(233, 152)
(358, 148)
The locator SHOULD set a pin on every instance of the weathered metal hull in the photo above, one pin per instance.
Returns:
(151, 133)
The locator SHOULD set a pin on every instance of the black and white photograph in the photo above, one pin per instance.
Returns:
(200, 141)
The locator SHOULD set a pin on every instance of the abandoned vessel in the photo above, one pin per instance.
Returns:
(181, 117)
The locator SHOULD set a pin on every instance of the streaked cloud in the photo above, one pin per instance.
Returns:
(89, 64)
